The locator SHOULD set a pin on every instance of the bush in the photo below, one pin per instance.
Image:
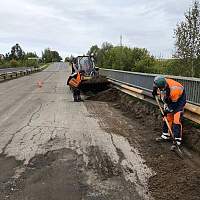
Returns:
(31, 63)
(14, 63)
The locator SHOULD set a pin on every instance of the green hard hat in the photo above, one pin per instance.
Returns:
(160, 81)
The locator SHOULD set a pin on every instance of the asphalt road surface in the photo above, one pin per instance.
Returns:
(54, 148)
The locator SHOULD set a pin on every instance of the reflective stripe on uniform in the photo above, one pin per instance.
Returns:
(73, 83)
(176, 87)
(178, 139)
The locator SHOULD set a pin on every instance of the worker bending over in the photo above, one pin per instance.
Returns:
(74, 81)
(173, 96)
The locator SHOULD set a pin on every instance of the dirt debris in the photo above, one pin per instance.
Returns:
(94, 85)
(174, 178)
(101, 162)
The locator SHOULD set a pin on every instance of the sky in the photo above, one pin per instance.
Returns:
(72, 27)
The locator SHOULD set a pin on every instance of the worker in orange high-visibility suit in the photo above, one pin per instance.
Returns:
(74, 81)
(173, 96)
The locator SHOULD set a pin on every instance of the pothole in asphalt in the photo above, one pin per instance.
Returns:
(62, 174)
(54, 175)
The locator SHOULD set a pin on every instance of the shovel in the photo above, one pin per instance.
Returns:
(177, 148)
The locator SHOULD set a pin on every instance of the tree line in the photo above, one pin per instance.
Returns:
(185, 61)
(17, 57)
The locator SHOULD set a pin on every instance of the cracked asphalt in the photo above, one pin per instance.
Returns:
(54, 148)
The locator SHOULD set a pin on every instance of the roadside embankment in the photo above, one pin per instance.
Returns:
(149, 115)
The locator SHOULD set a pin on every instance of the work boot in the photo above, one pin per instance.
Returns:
(163, 138)
(178, 141)
(75, 99)
(79, 98)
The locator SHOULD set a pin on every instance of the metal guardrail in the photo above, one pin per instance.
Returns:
(145, 81)
(192, 111)
(9, 73)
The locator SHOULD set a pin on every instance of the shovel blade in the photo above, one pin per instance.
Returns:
(177, 150)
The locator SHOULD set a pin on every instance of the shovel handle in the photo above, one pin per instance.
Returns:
(179, 152)
(165, 118)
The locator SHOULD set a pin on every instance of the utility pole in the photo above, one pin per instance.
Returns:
(121, 47)
(121, 40)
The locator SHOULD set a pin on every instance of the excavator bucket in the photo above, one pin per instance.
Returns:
(95, 84)
(90, 78)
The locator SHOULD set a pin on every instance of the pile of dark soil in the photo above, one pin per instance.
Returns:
(94, 85)
(109, 95)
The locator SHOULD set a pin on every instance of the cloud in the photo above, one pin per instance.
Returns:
(71, 27)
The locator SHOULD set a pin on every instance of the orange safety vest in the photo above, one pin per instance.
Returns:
(176, 89)
(75, 82)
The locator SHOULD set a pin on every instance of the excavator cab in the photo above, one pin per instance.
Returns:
(85, 65)
(90, 78)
